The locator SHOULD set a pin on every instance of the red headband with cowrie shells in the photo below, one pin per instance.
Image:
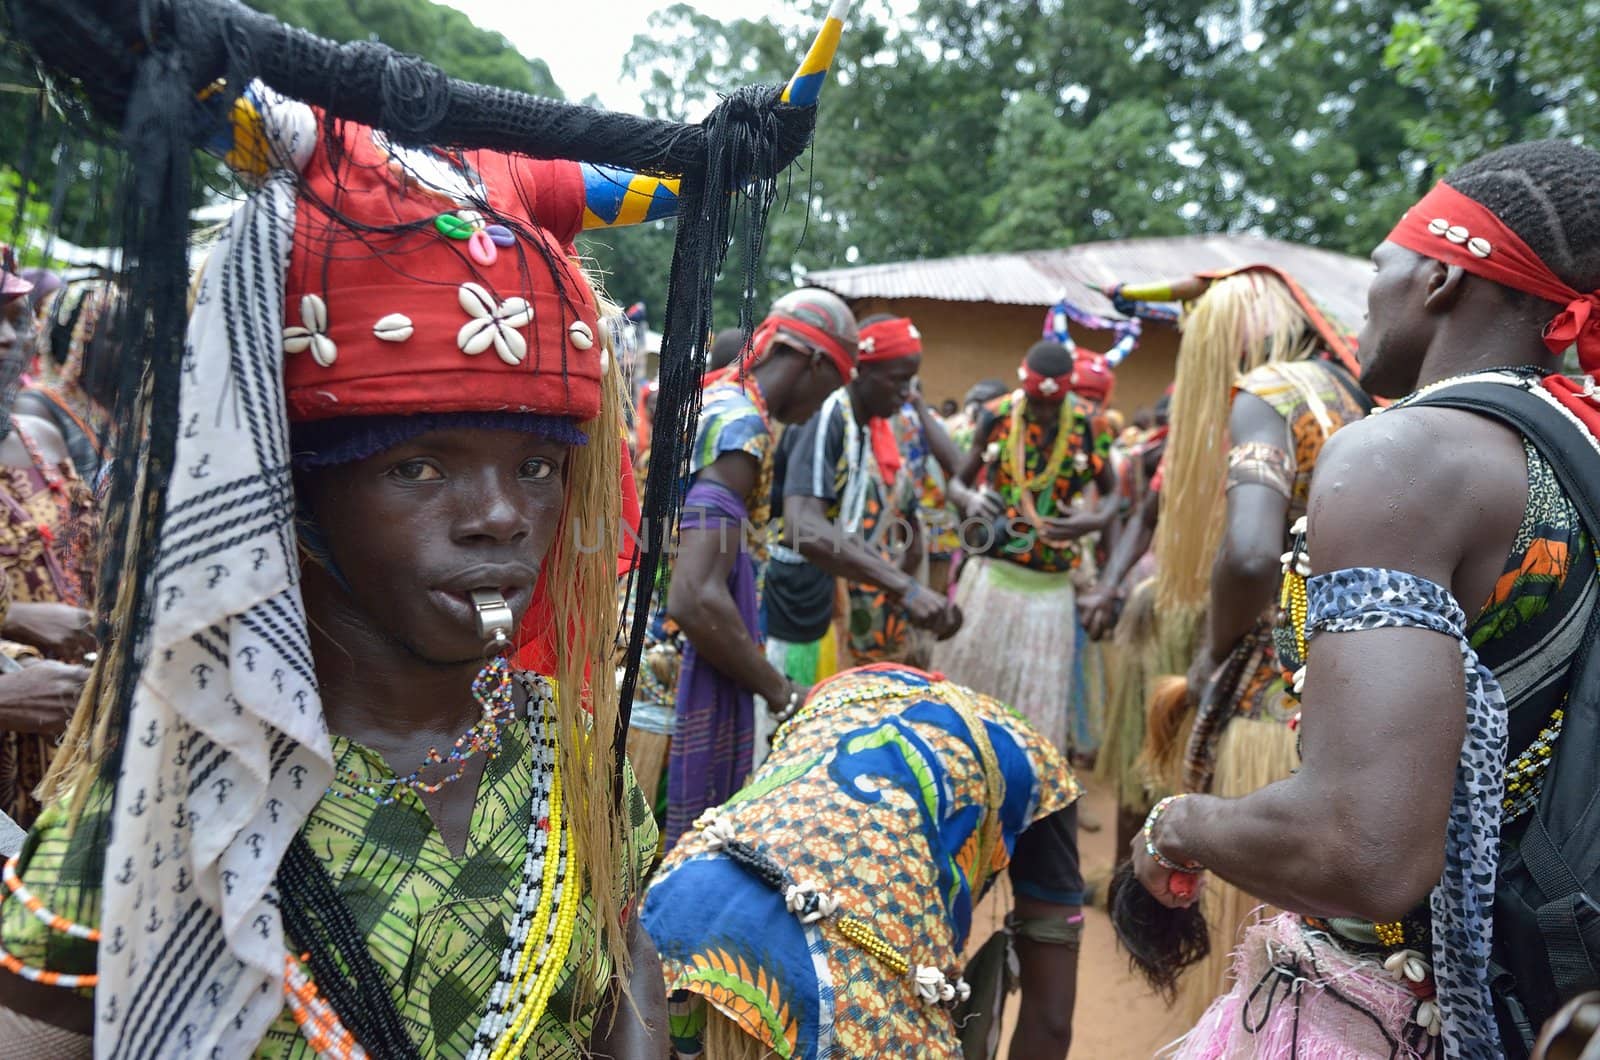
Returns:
(1457, 230)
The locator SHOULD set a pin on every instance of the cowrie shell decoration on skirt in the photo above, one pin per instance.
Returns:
(580, 336)
(312, 334)
(493, 324)
(395, 327)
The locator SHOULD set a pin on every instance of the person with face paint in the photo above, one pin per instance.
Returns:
(406, 844)
(1034, 453)
(1437, 600)
(802, 352)
(46, 572)
(849, 511)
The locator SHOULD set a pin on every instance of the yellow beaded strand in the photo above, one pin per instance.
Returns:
(555, 961)
(873, 944)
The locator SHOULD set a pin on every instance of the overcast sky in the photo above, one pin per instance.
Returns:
(584, 41)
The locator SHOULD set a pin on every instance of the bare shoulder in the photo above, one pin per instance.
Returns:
(1426, 490)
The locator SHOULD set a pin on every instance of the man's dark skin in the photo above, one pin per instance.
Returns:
(879, 390)
(795, 383)
(1359, 829)
(1101, 606)
(412, 531)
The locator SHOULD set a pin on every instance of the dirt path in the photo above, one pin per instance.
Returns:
(1117, 1017)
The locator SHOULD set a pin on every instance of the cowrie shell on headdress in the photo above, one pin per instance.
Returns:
(579, 334)
(1438, 226)
(1480, 246)
(1049, 387)
(911, 329)
(395, 327)
(311, 334)
(493, 324)
(1457, 234)
(868, 344)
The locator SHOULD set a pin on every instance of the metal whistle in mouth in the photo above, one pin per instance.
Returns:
(494, 616)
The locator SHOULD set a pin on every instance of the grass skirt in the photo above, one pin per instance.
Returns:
(1297, 995)
(1017, 639)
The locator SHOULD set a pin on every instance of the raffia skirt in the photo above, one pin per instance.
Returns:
(1297, 995)
(1016, 642)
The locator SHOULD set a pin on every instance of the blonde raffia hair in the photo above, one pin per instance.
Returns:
(581, 580)
(1240, 323)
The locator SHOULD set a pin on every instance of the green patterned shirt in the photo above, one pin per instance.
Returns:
(436, 924)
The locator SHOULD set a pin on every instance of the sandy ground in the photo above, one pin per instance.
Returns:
(1117, 1017)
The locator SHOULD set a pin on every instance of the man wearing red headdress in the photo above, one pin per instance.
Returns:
(1034, 454)
(802, 352)
(1436, 846)
(849, 509)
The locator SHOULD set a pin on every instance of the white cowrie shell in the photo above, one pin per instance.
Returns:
(1438, 226)
(323, 350)
(1457, 234)
(394, 327)
(1480, 246)
(296, 340)
(1299, 526)
(314, 312)
(1302, 565)
(1300, 680)
(580, 336)
(475, 336)
(1415, 970)
(510, 345)
(515, 312)
(1287, 561)
(475, 300)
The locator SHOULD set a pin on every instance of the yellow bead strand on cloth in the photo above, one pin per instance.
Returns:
(874, 945)
(1018, 470)
(555, 959)
(529, 969)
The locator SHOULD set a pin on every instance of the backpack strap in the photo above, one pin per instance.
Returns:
(1559, 439)
(1573, 455)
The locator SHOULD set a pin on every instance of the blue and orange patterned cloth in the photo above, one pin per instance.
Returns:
(902, 796)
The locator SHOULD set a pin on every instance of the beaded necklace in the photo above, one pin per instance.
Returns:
(1018, 463)
(547, 905)
(492, 689)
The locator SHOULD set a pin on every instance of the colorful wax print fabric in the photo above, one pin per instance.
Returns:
(900, 796)
(1054, 470)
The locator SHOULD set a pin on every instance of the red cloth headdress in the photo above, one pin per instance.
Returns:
(889, 340)
(1050, 389)
(416, 299)
(1092, 377)
(810, 318)
(881, 341)
(1457, 230)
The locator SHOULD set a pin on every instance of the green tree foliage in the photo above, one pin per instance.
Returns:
(1499, 71)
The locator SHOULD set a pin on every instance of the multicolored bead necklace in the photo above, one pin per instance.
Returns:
(492, 689)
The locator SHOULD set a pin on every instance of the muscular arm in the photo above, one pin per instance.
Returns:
(809, 531)
(637, 1030)
(1359, 830)
(1244, 577)
(940, 444)
(698, 598)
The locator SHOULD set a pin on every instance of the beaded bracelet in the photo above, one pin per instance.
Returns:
(1150, 839)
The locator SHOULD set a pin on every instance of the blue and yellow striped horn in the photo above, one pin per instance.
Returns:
(615, 198)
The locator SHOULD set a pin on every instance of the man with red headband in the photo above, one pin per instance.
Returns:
(849, 510)
(1436, 847)
(1034, 453)
(802, 352)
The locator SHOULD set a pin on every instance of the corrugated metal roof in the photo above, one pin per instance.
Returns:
(1041, 277)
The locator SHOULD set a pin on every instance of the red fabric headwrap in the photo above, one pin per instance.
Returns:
(1092, 376)
(1450, 227)
(773, 327)
(1051, 389)
(890, 340)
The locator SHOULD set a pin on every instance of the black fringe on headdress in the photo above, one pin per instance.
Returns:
(140, 65)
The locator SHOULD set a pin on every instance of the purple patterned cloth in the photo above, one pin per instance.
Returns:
(713, 735)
